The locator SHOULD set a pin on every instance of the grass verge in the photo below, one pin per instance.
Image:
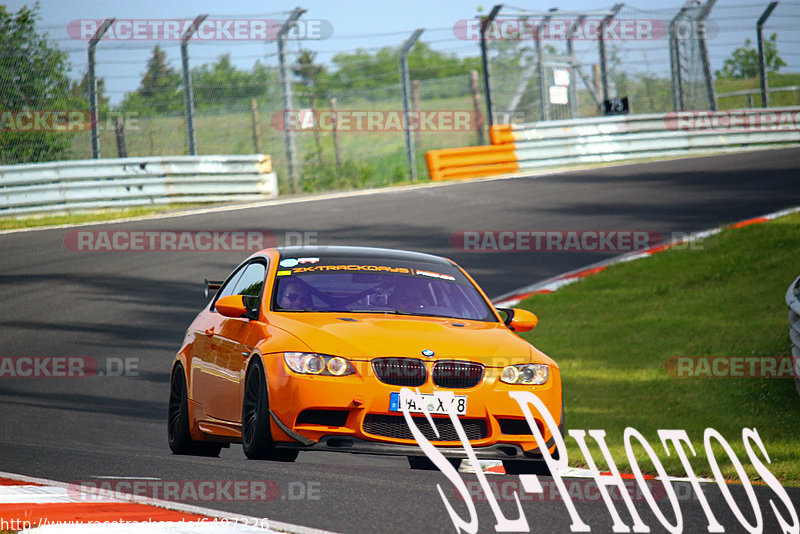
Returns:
(613, 332)
(10, 223)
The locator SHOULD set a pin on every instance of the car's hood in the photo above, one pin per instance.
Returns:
(366, 336)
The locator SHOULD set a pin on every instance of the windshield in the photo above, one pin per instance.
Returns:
(368, 286)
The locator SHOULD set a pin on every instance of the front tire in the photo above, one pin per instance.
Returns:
(257, 440)
(178, 435)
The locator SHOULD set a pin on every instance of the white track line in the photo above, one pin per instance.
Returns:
(234, 519)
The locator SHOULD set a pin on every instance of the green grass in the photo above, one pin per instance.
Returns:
(8, 223)
(776, 99)
(613, 332)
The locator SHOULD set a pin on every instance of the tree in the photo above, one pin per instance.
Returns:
(81, 90)
(160, 88)
(221, 84)
(744, 60)
(32, 79)
(312, 76)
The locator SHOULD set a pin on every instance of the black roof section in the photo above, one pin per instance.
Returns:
(323, 251)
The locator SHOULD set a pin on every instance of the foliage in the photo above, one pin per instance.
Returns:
(160, 88)
(32, 78)
(744, 60)
(221, 84)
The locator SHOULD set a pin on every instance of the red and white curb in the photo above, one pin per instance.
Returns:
(40, 506)
(553, 284)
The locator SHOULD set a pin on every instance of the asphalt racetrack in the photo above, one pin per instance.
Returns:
(135, 306)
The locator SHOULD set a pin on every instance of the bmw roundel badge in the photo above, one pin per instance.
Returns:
(427, 353)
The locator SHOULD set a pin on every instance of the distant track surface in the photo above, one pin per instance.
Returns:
(58, 302)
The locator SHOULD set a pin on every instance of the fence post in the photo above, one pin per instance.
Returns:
(573, 78)
(336, 148)
(675, 58)
(119, 131)
(405, 78)
(288, 103)
(487, 87)
(544, 101)
(762, 64)
(476, 104)
(93, 85)
(705, 11)
(188, 96)
(415, 100)
(602, 45)
(256, 126)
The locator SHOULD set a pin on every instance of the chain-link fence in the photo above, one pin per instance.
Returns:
(333, 115)
(554, 65)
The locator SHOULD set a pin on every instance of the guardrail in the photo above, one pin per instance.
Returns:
(793, 301)
(602, 139)
(750, 93)
(79, 185)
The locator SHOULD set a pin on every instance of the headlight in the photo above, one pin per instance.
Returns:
(533, 374)
(310, 363)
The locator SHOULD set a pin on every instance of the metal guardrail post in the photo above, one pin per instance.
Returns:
(406, 81)
(93, 84)
(188, 96)
(288, 102)
(762, 64)
(602, 46)
(487, 87)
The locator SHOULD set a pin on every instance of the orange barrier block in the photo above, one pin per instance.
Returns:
(473, 161)
(501, 133)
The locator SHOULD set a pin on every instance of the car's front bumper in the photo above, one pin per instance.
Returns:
(363, 396)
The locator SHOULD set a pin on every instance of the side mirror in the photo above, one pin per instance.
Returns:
(232, 306)
(519, 320)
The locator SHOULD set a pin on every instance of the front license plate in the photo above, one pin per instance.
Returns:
(431, 404)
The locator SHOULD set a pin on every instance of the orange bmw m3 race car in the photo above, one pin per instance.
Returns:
(307, 349)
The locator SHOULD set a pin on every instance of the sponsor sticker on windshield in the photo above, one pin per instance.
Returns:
(355, 268)
(436, 275)
(294, 262)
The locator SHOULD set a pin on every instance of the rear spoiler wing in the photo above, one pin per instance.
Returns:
(212, 285)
